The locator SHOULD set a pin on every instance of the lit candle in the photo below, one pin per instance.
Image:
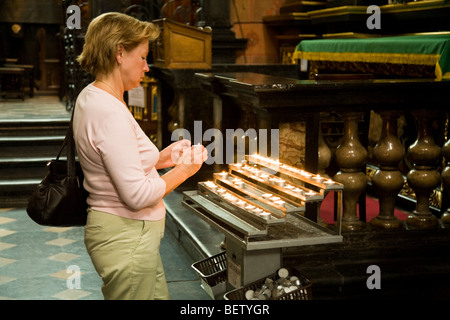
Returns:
(305, 174)
(221, 191)
(249, 207)
(255, 172)
(223, 174)
(280, 203)
(211, 185)
(299, 191)
(238, 182)
(274, 199)
(265, 215)
(289, 187)
(257, 210)
(264, 176)
(318, 178)
(230, 198)
(240, 203)
(267, 195)
(280, 182)
(329, 181)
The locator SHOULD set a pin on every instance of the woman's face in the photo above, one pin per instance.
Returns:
(134, 65)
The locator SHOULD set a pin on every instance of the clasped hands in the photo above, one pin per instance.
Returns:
(186, 157)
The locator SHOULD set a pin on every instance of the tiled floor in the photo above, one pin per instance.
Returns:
(40, 106)
(42, 263)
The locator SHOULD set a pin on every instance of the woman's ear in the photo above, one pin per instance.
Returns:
(120, 50)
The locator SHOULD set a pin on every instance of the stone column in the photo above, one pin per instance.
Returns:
(350, 157)
(387, 180)
(224, 42)
(424, 177)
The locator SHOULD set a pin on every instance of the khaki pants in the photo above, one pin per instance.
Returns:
(125, 253)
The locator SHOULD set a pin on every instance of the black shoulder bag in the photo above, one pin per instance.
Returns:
(60, 199)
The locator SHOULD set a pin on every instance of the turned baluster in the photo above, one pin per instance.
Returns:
(350, 157)
(387, 180)
(323, 155)
(445, 176)
(175, 112)
(424, 177)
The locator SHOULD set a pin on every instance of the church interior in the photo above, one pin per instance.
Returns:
(338, 107)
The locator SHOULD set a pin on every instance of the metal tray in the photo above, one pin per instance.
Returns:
(294, 231)
(257, 194)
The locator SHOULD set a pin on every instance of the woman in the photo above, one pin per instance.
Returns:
(126, 211)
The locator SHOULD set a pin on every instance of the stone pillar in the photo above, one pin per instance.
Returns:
(350, 157)
(387, 180)
(224, 42)
(424, 177)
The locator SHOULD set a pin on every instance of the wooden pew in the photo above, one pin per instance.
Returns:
(12, 81)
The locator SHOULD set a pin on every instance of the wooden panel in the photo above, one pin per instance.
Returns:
(182, 46)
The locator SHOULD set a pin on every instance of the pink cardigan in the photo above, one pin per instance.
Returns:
(117, 158)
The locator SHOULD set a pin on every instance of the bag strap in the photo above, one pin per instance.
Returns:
(70, 143)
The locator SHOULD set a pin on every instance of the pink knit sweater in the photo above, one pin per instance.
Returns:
(117, 158)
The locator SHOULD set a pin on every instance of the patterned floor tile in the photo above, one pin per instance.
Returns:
(4, 245)
(57, 230)
(72, 294)
(63, 256)
(5, 261)
(64, 274)
(4, 220)
(60, 242)
(5, 232)
(4, 279)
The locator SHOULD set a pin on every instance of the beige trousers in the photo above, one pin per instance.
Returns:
(125, 253)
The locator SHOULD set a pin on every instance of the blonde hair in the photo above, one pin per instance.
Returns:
(104, 35)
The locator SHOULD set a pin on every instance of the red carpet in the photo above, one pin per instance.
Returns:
(372, 209)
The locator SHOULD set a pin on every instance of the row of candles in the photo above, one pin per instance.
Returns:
(276, 163)
(239, 202)
(267, 196)
(272, 180)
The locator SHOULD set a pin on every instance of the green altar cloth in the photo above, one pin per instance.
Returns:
(431, 50)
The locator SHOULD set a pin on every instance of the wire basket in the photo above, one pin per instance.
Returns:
(213, 274)
(304, 292)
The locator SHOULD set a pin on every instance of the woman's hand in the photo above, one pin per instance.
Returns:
(170, 156)
(192, 159)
